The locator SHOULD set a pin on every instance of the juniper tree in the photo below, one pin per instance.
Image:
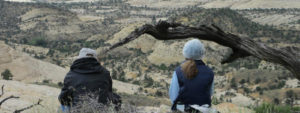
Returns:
(6, 75)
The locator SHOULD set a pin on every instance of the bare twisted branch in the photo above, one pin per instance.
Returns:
(2, 91)
(7, 98)
(242, 47)
(23, 109)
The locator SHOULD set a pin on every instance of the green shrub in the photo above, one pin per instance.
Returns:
(159, 93)
(140, 89)
(114, 74)
(215, 101)
(163, 67)
(261, 92)
(296, 109)
(50, 84)
(38, 41)
(257, 80)
(242, 81)
(46, 81)
(233, 84)
(290, 97)
(258, 88)
(60, 84)
(276, 101)
(51, 52)
(148, 81)
(247, 90)
(271, 108)
(136, 82)
(6, 75)
(281, 84)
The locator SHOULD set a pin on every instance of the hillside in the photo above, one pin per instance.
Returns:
(27, 69)
(165, 3)
(280, 18)
(234, 22)
(233, 4)
(44, 24)
(252, 4)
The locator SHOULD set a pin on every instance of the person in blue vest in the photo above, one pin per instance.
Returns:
(192, 82)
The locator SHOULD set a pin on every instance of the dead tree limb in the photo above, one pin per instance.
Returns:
(2, 91)
(289, 57)
(23, 109)
(7, 98)
(11, 97)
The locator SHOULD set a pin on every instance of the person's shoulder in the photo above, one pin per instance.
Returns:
(210, 70)
(207, 69)
(178, 68)
(70, 74)
(104, 70)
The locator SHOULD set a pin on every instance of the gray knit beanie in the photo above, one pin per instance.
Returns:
(193, 49)
(86, 53)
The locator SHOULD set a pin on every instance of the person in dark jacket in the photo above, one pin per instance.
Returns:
(192, 81)
(86, 76)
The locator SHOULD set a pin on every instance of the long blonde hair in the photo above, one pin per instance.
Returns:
(189, 68)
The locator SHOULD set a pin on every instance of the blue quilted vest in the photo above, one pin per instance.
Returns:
(196, 90)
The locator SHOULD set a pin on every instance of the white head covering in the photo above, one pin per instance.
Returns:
(193, 49)
(87, 52)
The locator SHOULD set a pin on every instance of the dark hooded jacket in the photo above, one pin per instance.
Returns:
(86, 76)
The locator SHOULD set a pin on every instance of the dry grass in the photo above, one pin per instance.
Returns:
(89, 104)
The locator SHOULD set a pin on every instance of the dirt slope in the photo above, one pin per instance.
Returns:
(251, 4)
(27, 69)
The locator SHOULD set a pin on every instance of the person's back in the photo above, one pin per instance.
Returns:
(86, 77)
(198, 89)
(192, 81)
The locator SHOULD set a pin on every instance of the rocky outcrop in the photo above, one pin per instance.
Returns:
(29, 94)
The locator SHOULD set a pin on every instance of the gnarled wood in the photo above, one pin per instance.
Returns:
(289, 57)
(7, 98)
(29, 107)
(2, 92)
(11, 97)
